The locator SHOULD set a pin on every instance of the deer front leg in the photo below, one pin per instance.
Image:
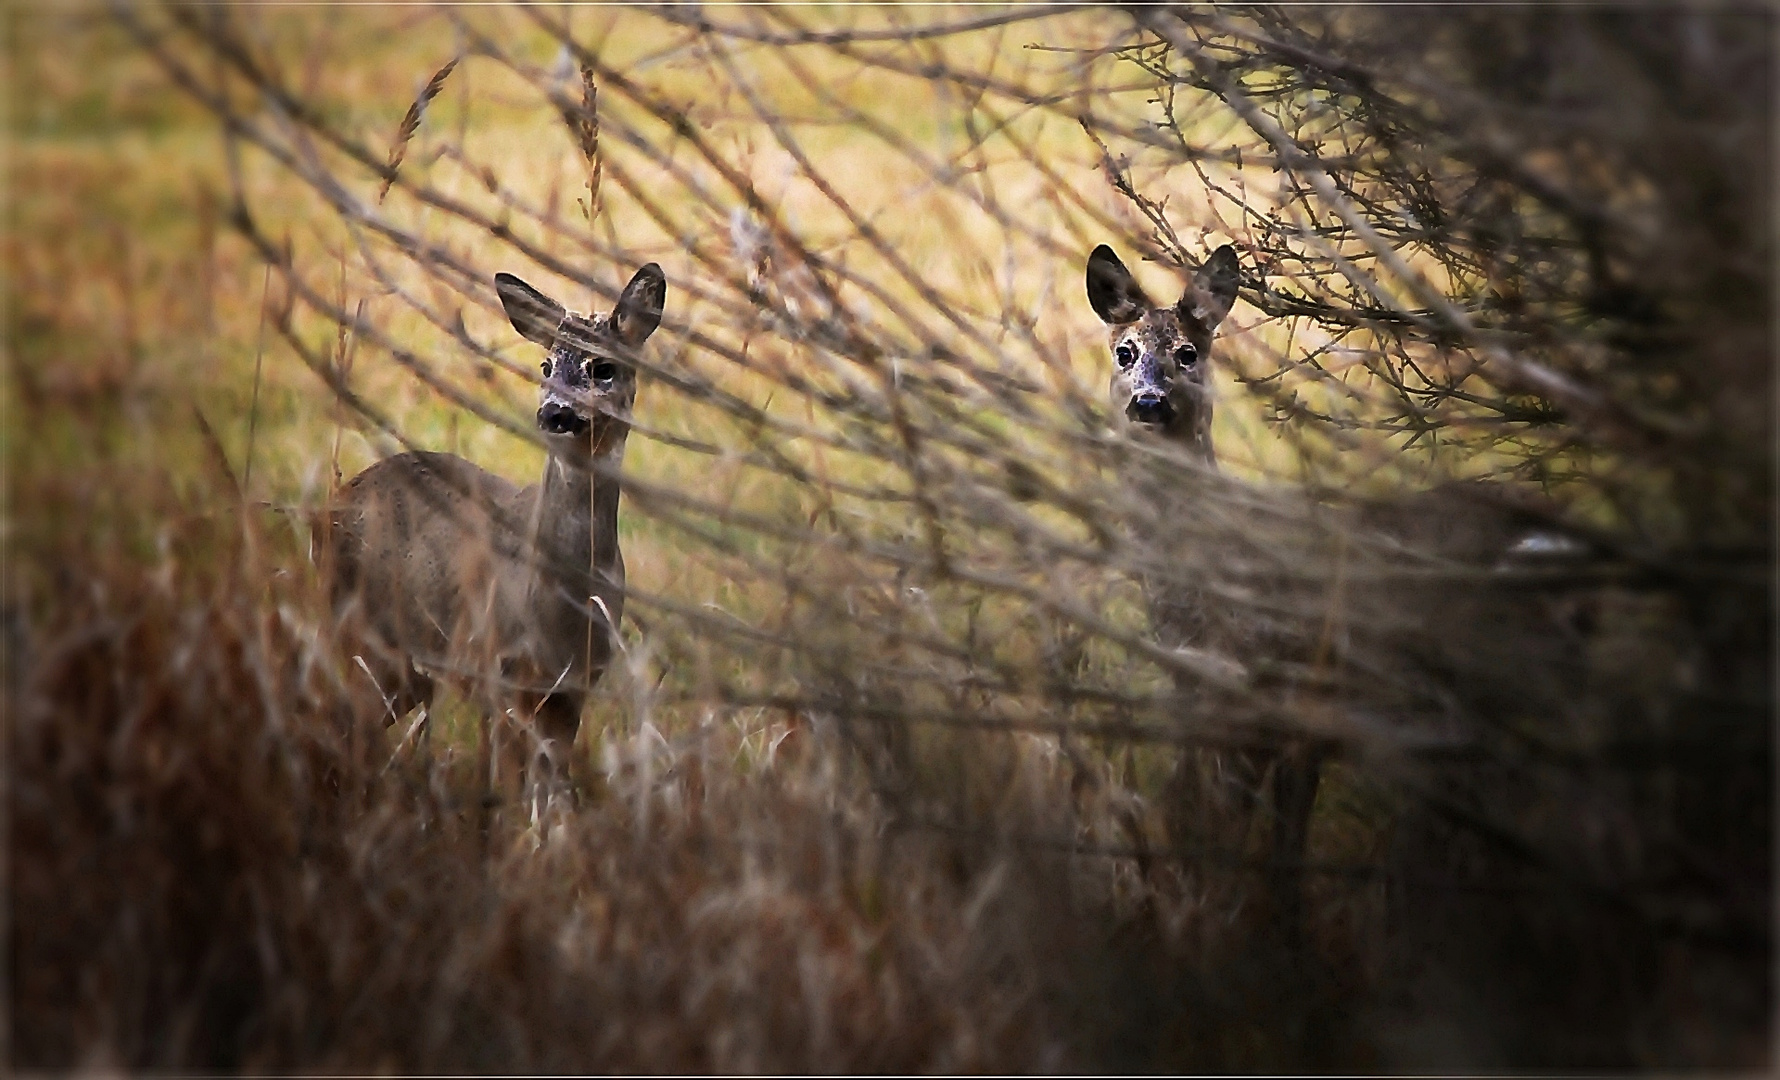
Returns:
(534, 742)
(556, 721)
(485, 789)
(1295, 780)
(1214, 798)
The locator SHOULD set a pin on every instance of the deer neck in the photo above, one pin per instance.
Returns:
(576, 515)
(1199, 443)
(1196, 438)
(574, 563)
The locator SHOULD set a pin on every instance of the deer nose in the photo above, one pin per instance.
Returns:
(1150, 407)
(559, 419)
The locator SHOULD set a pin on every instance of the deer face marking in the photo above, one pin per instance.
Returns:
(1161, 354)
(589, 381)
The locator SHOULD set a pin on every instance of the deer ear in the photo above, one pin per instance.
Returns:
(1112, 290)
(1213, 290)
(639, 308)
(534, 315)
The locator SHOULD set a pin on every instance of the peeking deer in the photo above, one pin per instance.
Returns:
(1161, 382)
(513, 593)
(1162, 355)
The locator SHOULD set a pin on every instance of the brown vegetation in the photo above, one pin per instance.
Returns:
(886, 774)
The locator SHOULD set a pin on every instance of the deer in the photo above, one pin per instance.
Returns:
(1161, 385)
(1162, 355)
(513, 594)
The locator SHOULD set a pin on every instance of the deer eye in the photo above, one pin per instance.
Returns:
(1186, 356)
(604, 371)
(1125, 354)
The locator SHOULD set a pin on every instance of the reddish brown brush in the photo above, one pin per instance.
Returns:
(208, 873)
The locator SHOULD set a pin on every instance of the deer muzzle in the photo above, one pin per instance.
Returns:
(556, 418)
(1150, 408)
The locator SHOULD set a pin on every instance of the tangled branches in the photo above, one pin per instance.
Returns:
(1494, 526)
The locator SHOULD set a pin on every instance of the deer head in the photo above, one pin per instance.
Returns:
(589, 382)
(1161, 355)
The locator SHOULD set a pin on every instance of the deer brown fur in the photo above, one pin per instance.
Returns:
(451, 572)
(1161, 383)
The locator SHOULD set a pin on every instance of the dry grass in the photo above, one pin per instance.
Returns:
(252, 896)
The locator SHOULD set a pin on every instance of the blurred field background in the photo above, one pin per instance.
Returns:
(892, 774)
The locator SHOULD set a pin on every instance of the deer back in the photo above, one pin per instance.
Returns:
(448, 566)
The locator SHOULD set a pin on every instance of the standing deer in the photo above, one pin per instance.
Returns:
(513, 593)
(1161, 382)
